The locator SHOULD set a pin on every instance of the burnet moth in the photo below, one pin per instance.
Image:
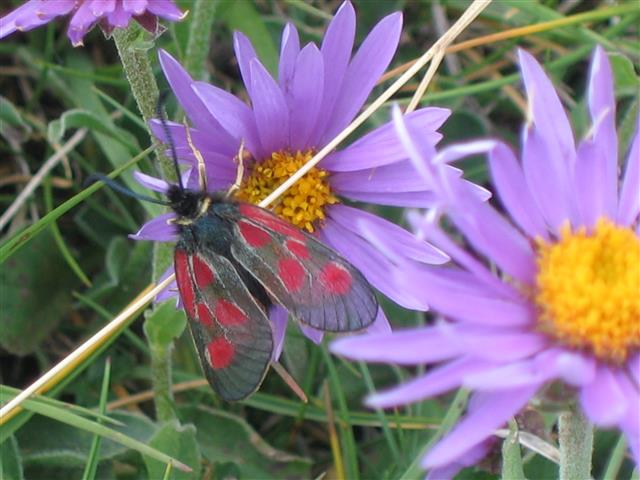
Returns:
(233, 261)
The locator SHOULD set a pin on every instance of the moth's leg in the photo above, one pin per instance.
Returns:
(202, 172)
(239, 158)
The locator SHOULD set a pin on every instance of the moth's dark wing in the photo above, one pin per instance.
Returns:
(318, 286)
(231, 330)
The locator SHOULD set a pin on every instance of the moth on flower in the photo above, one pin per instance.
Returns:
(317, 92)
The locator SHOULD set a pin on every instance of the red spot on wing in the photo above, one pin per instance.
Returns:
(229, 314)
(336, 278)
(221, 352)
(297, 249)
(185, 286)
(253, 235)
(202, 272)
(204, 314)
(270, 221)
(291, 274)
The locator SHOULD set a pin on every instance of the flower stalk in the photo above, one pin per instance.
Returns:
(199, 37)
(139, 73)
(576, 445)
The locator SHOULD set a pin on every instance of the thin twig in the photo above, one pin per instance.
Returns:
(39, 177)
(465, 19)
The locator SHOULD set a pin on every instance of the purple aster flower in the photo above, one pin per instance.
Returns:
(109, 14)
(562, 302)
(317, 93)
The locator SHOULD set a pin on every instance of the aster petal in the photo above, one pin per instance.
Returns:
(404, 347)
(602, 107)
(165, 9)
(492, 235)
(102, 7)
(158, 229)
(509, 376)
(380, 324)
(393, 236)
(279, 318)
(547, 112)
(603, 401)
(547, 180)
(382, 146)
(336, 52)
(366, 258)
(514, 193)
(245, 54)
(439, 380)
(312, 334)
(234, 116)
(424, 199)
(200, 116)
(368, 64)
(269, 108)
(289, 50)
(497, 345)
(575, 368)
(152, 183)
(590, 174)
(81, 22)
(426, 227)
(471, 457)
(24, 18)
(629, 205)
(136, 7)
(426, 284)
(119, 18)
(306, 93)
(170, 291)
(492, 411)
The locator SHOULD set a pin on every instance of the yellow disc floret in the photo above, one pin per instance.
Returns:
(588, 290)
(304, 203)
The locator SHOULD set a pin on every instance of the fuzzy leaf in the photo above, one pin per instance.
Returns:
(35, 294)
(179, 441)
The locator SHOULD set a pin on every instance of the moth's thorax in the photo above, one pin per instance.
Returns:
(190, 205)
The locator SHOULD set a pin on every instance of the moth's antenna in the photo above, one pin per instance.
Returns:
(101, 177)
(162, 100)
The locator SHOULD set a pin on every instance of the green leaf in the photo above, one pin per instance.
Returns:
(511, 455)
(624, 74)
(11, 121)
(244, 17)
(10, 461)
(164, 324)
(179, 442)
(35, 294)
(224, 437)
(80, 118)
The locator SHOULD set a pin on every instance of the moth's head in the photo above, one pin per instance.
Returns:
(188, 204)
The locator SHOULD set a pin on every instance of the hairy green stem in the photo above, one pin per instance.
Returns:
(137, 68)
(161, 376)
(199, 37)
(576, 445)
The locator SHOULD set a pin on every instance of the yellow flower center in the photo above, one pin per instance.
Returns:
(588, 290)
(304, 203)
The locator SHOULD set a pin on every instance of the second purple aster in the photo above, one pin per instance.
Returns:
(317, 93)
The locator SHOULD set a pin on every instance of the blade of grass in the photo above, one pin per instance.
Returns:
(60, 243)
(616, 458)
(9, 247)
(7, 392)
(82, 423)
(388, 435)
(92, 461)
(451, 417)
(346, 430)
